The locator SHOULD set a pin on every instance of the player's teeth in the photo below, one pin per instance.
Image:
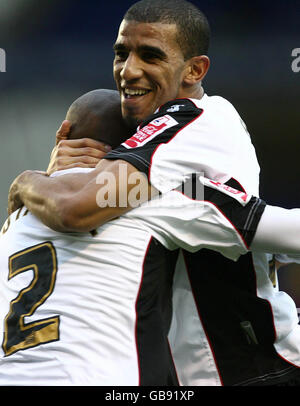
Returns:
(131, 92)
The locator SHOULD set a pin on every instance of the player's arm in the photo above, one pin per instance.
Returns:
(226, 220)
(278, 231)
(81, 202)
(275, 230)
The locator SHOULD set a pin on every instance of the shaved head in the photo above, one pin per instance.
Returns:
(97, 115)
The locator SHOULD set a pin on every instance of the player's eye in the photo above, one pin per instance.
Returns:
(150, 56)
(121, 55)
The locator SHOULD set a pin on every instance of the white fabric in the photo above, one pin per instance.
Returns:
(97, 284)
(216, 143)
(278, 231)
(194, 360)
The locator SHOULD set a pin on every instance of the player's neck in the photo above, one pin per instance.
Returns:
(194, 93)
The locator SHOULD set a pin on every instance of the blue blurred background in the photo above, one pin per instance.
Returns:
(58, 50)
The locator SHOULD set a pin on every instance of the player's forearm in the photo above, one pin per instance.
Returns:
(278, 231)
(45, 197)
(65, 203)
(77, 202)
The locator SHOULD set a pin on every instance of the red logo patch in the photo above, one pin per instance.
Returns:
(229, 189)
(240, 196)
(151, 130)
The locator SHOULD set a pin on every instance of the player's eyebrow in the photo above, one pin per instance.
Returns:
(157, 52)
(119, 47)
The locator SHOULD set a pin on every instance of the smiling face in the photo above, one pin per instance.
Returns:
(149, 67)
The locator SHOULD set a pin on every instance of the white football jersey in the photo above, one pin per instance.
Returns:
(236, 328)
(82, 309)
(188, 135)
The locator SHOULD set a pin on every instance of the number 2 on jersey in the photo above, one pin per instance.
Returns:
(18, 335)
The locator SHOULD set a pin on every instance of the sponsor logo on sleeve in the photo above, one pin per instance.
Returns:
(175, 108)
(151, 130)
(242, 197)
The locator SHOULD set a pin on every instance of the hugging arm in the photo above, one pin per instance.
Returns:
(78, 202)
(71, 202)
(278, 231)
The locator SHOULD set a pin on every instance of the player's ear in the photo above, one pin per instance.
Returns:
(63, 131)
(196, 70)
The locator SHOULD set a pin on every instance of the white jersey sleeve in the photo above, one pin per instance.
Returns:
(202, 213)
(199, 213)
(186, 136)
(278, 233)
(288, 259)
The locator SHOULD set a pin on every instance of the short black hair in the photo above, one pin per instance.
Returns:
(192, 25)
(97, 115)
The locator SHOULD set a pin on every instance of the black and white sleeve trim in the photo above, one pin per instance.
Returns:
(241, 210)
(160, 128)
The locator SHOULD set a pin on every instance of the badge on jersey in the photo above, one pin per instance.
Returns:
(151, 130)
(242, 197)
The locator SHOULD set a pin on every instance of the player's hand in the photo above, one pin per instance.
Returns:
(14, 199)
(84, 152)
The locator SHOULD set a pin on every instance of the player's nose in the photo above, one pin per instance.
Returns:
(131, 69)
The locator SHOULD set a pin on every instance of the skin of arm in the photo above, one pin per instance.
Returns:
(73, 202)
